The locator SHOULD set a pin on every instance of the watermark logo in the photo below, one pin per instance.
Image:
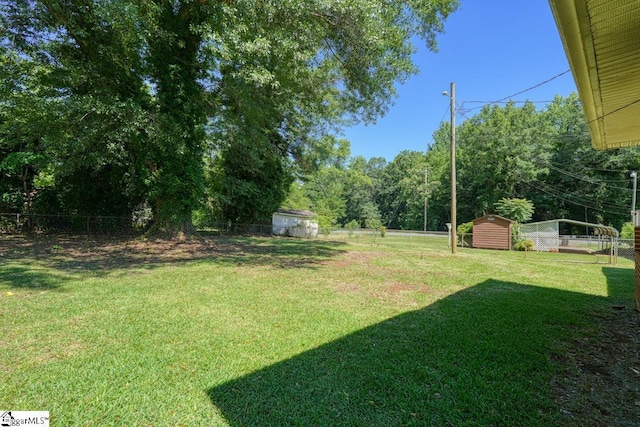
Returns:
(24, 418)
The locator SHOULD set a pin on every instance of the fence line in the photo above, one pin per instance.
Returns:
(17, 223)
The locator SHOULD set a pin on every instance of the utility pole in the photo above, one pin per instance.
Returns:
(452, 96)
(426, 203)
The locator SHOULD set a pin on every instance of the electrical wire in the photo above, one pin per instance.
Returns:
(563, 196)
(485, 103)
(573, 197)
(532, 87)
(579, 177)
(445, 112)
(614, 111)
(504, 99)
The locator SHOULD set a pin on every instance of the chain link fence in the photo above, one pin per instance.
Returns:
(16, 223)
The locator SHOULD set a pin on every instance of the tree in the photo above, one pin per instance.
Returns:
(500, 150)
(519, 210)
(143, 83)
(583, 183)
(544, 156)
(326, 192)
(358, 191)
(401, 191)
(21, 145)
(371, 216)
(253, 180)
(439, 186)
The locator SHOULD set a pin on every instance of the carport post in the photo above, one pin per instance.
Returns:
(612, 255)
(636, 256)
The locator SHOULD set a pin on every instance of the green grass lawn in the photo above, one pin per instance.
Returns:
(278, 332)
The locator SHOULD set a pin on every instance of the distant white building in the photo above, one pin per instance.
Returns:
(295, 223)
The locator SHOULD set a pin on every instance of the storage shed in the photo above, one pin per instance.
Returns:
(295, 223)
(492, 232)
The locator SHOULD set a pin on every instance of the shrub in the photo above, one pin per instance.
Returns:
(383, 231)
(523, 245)
(351, 226)
(627, 231)
(465, 228)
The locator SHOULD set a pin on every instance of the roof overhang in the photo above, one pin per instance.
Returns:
(602, 41)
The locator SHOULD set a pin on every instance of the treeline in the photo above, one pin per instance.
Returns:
(503, 151)
(183, 108)
(207, 112)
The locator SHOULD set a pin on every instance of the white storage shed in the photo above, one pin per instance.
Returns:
(295, 223)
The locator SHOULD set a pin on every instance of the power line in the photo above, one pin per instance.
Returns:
(446, 110)
(503, 100)
(590, 180)
(506, 102)
(575, 198)
(466, 110)
(532, 87)
(614, 111)
(582, 203)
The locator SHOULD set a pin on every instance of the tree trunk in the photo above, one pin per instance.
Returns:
(178, 174)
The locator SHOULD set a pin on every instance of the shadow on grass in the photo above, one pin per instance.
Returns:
(478, 357)
(620, 283)
(102, 255)
(24, 277)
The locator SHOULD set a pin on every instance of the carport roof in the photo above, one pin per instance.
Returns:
(602, 41)
(603, 230)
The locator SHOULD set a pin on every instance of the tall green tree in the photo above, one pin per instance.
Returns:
(439, 169)
(326, 190)
(519, 210)
(141, 84)
(359, 192)
(500, 150)
(21, 145)
(583, 183)
(541, 155)
(254, 180)
(401, 192)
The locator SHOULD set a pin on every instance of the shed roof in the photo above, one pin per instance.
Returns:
(297, 213)
(494, 216)
(601, 39)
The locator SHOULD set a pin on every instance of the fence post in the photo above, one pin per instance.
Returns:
(636, 256)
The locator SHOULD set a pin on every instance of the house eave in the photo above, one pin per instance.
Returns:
(601, 39)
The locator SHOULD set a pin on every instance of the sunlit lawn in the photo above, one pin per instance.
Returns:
(291, 332)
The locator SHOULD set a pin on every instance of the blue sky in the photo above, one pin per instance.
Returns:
(491, 49)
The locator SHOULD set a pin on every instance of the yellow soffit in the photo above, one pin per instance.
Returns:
(602, 41)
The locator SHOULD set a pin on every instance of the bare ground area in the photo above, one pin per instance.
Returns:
(599, 381)
(597, 384)
(100, 252)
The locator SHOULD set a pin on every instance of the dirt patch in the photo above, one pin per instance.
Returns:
(103, 253)
(351, 258)
(114, 248)
(396, 288)
(599, 382)
(345, 288)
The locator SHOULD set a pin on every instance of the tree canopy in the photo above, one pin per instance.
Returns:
(231, 109)
(516, 161)
(133, 96)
